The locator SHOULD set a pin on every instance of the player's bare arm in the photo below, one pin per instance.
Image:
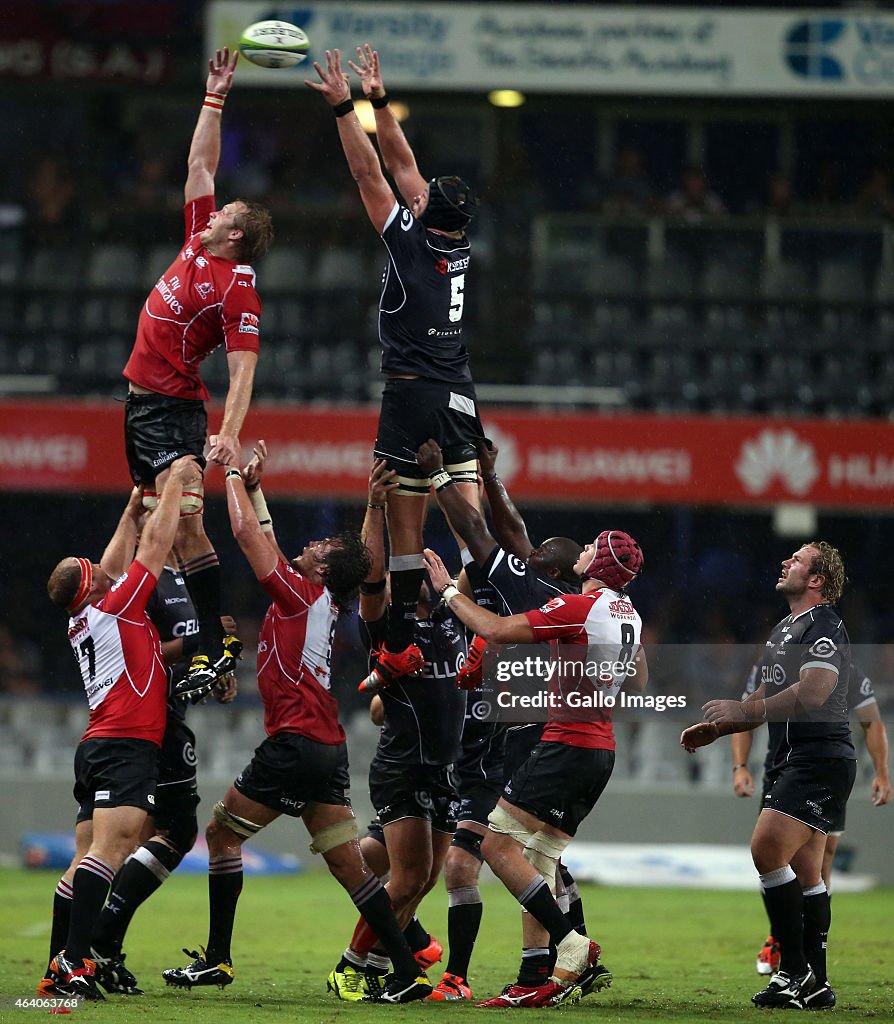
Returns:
(396, 152)
(363, 161)
(204, 153)
(251, 476)
(877, 744)
(159, 532)
(119, 551)
(225, 443)
(509, 527)
(246, 528)
(464, 518)
(382, 481)
(743, 781)
(493, 628)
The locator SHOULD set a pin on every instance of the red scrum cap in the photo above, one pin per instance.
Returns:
(617, 559)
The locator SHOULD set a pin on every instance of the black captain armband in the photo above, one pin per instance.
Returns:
(378, 102)
(345, 107)
(372, 588)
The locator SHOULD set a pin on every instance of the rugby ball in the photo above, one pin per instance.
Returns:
(274, 44)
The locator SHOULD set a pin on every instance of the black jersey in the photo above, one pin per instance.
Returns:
(423, 295)
(816, 638)
(519, 587)
(174, 616)
(424, 714)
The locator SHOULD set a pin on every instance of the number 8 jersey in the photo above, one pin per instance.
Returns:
(605, 621)
(423, 299)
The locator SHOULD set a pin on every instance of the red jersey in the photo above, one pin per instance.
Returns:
(604, 618)
(294, 658)
(119, 655)
(201, 301)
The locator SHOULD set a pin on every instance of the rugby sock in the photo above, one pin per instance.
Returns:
(364, 938)
(539, 902)
(536, 964)
(407, 573)
(817, 918)
(785, 905)
(575, 903)
(417, 937)
(61, 918)
(372, 900)
(143, 872)
(463, 921)
(224, 888)
(88, 893)
(350, 959)
(203, 582)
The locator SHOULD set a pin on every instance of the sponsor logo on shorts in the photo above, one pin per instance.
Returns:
(249, 324)
(480, 710)
(423, 798)
(406, 219)
(102, 795)
(189, 754)
(150, 799)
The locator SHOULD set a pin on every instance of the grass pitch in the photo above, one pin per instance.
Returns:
(677, 955)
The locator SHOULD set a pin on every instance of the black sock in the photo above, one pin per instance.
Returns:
(373, 902)
(417, 937)
(405, 584)
(224, 887)
(786, 905)
(141, 875)
(203, 582)
(463, 922)
(88, 893)
(817, 918)
(767, 909)
(539, 902)
(535, 967)
(61, 919)
(575, 903)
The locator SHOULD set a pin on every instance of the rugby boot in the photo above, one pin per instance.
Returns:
(203, 675)
(430, 955)
(471, 675)
(768, 958)
(451, 988)
(399, 989)
(391, 666)
(553, 993)
(114, 977)
(75, 977)
(349, 984)
(785, 992)
(200, 972)
(822, 998)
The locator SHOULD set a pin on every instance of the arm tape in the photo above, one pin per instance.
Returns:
(261, 511)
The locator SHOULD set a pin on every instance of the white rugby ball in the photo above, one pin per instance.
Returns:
(274, 44)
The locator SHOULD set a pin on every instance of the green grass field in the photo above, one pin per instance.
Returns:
(677, 955)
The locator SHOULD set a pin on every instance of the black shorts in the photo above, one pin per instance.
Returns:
(290, 771)
(112, 772)
(414, 791)
(158, 430)
(415, 410)
(520, 742)
(814, 791)
(560, 784)
(479, 772)
(176, 796)
(375, 831)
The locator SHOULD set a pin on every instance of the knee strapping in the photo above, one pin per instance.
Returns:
(150, 499)
(463, 472)
(542, 851)
(412, 486)
(503, 823)
(469, 842)
(241, 826)
(333, 835)
(192, 502)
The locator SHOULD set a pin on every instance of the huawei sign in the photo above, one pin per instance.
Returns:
(777, 454)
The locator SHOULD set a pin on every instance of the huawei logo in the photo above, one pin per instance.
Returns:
(777, 454)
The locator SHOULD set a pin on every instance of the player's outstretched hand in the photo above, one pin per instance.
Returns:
(220, 71)
(333, 85)
(430, 458)
(226, 688)
(487, 457)
(382, 481)
(225, 450)
(440, 578)
(368, 70)
(185, 471)
(254, 469)
(699, 735)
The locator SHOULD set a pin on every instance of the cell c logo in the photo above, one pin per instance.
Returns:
(807, 47)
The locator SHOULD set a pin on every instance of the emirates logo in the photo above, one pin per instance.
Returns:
(777, 454)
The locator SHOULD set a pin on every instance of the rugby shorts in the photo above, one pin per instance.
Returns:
(812, 790)
(115, 772)
(414, 791)
(158, 430)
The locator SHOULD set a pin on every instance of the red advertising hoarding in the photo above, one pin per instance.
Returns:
(554, 458)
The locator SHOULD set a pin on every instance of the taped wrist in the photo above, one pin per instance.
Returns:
(258, 503)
